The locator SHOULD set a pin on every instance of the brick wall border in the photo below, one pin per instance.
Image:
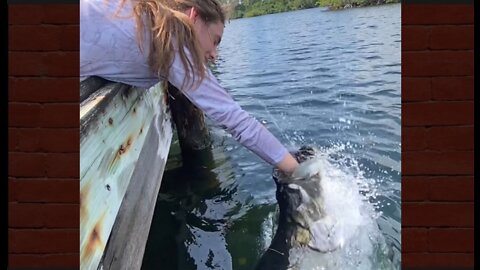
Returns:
(437, 136)
(43, 135)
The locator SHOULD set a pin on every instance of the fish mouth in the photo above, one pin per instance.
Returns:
(302, 221)
(301, 201)
(299, 196)
(303, 154)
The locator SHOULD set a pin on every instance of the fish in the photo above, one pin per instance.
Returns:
(303, 222)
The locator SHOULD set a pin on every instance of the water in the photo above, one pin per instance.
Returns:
(313, 77)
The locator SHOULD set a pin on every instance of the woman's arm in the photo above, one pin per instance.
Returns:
(219, 106)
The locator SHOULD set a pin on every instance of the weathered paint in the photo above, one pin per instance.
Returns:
(128, 239)
(113, 131)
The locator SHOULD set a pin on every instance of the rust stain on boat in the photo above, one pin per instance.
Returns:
(122, 150)
(84, 193)
(94, 240)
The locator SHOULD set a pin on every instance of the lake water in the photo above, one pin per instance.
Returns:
(328, 79)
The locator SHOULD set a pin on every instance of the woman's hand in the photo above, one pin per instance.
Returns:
(288, 164)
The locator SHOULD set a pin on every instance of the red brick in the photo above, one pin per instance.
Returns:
(63, 64)
(450, 138)
(414, 188)
(450, 240)
(437, 214)
(61, 13)
(26, 164)
(62, 215)
(12, 139)
(452, 88)
(44, 260)
(11, 191)
(43, 241)
(60, 115)
(45, 190)
(428, 14)
(437, 63)
(437, 113)
(414, 240)
(60, 140)
(451, 188)
(63, 140)
(23, 14)
(43, 37)
(35, 215)
(20, 14)
(24, 114)
(58, 64)
(33, 89)
(416, 89)
(25, 215)
(440, 188)
(71, 38)
(63, 165)
(437, 163)
(413, 138)
(27, 63)
(437, 260)
(415, 38)
(24, 140)
(451, 37)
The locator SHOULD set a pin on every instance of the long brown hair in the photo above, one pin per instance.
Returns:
(169, 29)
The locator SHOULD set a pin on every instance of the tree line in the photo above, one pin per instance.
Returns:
(251, 8)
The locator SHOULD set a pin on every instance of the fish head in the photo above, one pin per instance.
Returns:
(301, 201)
(300, 194)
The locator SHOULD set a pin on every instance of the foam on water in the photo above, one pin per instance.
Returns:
(353, 222)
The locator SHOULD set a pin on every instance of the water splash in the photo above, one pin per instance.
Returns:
(348, 200)
(355, 216)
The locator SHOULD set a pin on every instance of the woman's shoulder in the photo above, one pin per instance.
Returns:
(105, 15)
(108, 45)
(106, 8)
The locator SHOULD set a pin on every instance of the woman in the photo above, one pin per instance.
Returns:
(143, 42)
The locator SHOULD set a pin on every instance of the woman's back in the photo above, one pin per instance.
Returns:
(108, 45)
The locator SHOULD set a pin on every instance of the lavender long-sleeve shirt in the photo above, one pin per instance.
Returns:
(108, 48)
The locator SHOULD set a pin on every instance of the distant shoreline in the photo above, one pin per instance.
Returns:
(254, 8)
